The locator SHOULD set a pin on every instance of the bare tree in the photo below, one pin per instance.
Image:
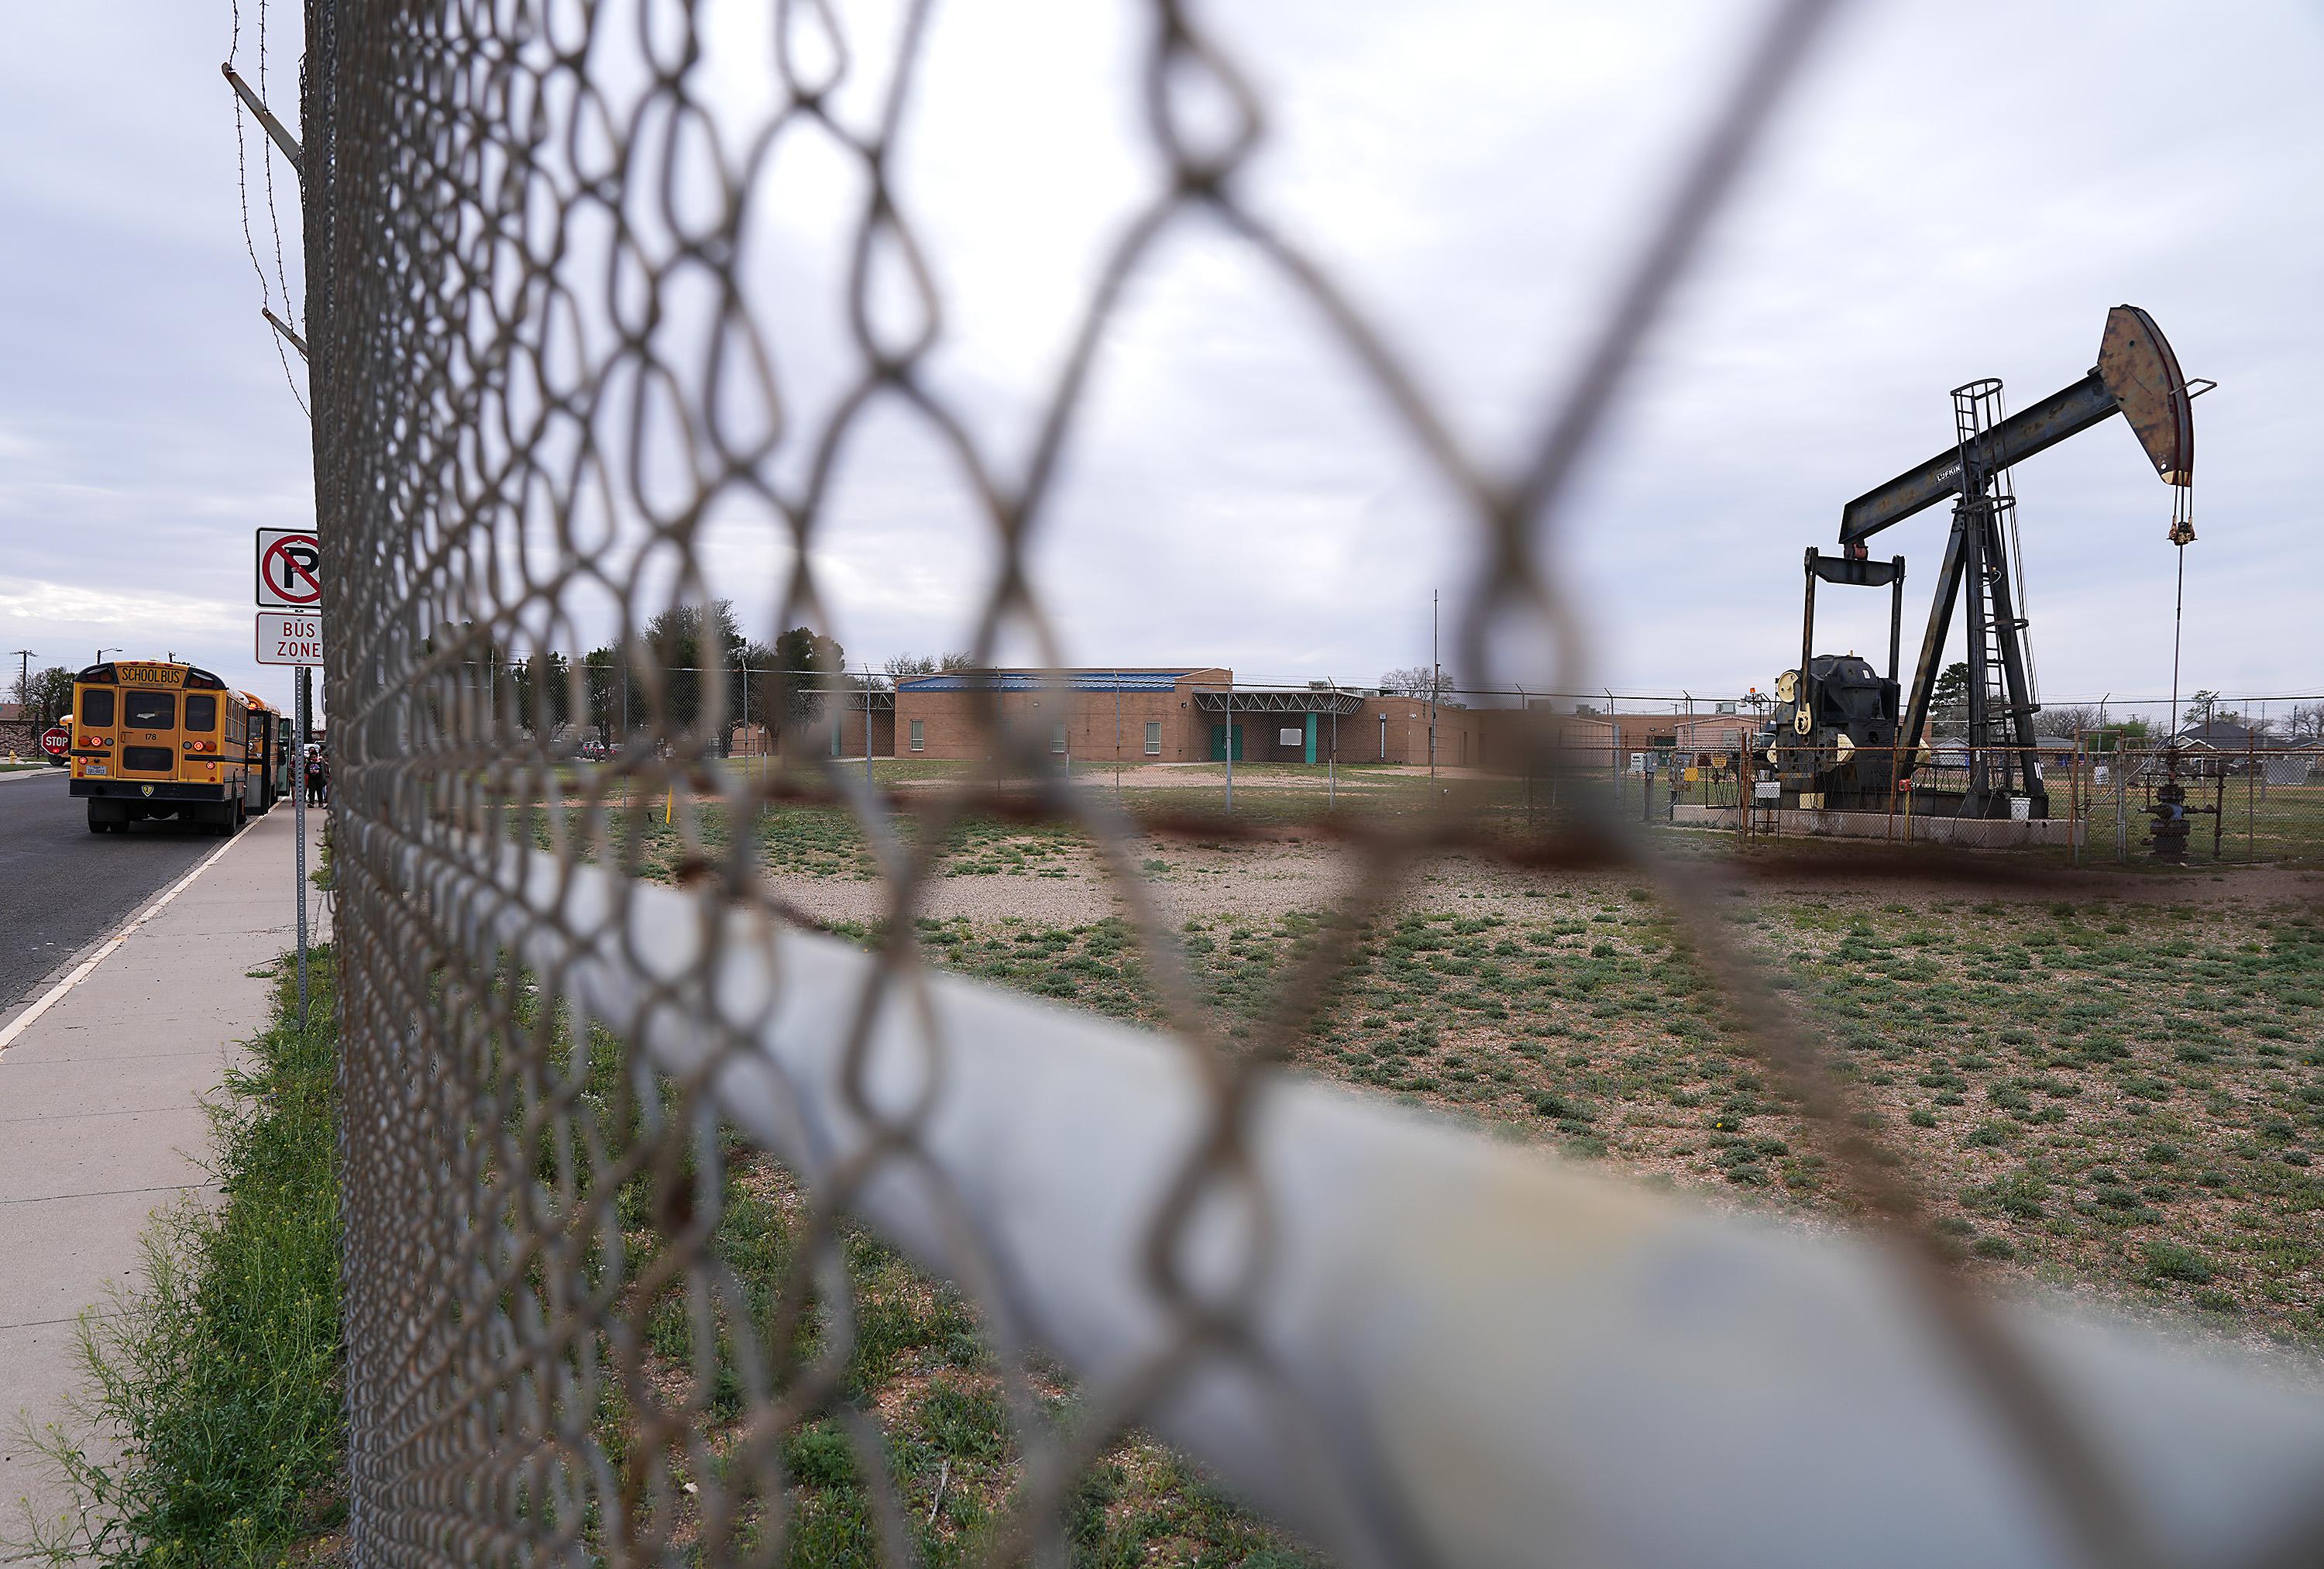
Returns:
(1413, 681)
(2306, 722)
(929, 664)
(2068, 718)
(2204, 708)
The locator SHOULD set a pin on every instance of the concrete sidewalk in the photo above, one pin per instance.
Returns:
(100, 1122)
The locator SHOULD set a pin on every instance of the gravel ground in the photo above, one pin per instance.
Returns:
(1273, 880)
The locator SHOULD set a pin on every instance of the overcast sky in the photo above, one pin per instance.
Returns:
(1957, 190)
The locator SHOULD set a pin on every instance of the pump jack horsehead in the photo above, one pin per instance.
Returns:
(1847, 738)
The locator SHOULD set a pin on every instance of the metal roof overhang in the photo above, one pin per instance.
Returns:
(1278, 700)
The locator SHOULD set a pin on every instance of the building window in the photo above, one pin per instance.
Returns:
(1057, 739)
(1154, 738)
(919, 736)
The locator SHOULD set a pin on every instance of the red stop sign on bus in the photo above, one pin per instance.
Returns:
(56, 740)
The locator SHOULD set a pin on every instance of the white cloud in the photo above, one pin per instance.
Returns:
(1472, 173)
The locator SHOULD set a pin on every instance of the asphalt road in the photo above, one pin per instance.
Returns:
(62, 887)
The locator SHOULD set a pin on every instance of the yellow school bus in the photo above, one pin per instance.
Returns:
(269, 743)
(155, 739)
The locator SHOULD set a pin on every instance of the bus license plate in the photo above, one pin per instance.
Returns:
(94, 771)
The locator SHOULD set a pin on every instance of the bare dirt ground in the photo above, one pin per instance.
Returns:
(1191, 879)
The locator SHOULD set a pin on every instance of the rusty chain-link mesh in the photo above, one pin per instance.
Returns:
(588, 1317)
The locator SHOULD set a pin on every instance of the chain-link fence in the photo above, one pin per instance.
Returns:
(677, 1231)
(2260, 801)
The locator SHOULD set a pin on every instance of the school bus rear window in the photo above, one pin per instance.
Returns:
(96, 708)
(202, 711)
(148, 710)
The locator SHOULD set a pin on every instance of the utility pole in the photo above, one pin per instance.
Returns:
(304, 676)
(1231, 741)
(1332, 767)
(24, 657)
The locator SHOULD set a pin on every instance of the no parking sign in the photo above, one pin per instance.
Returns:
(289, 569)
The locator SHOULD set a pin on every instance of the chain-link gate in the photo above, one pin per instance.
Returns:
(624, 1154)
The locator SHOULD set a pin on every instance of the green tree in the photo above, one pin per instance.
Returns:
(46, 694)
(695, 637)
(543, 691)
(687, 644)
(810, 665)
(602, 672)
(1949, 699)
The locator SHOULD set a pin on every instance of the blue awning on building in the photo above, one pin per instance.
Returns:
(1043, 681)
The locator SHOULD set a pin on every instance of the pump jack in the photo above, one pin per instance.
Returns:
(1839, 741)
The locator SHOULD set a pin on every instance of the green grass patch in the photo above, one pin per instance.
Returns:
(218, 1378)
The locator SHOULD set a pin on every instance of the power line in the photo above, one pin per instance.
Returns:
(242, 182)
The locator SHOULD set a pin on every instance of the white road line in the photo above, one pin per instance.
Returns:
(49, 999)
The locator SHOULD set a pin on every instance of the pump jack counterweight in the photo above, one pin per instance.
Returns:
(1846, 738)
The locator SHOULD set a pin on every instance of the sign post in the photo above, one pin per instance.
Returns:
(299, 840)
(289, 578)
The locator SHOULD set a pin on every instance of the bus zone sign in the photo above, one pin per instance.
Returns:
(289, 640)
(289, 570)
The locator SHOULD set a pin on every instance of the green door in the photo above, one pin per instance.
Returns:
(1218, 743)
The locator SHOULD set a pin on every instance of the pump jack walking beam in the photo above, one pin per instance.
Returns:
(2137, 376)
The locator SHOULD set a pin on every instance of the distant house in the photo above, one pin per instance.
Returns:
(2234, 747)
(2227, 735)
